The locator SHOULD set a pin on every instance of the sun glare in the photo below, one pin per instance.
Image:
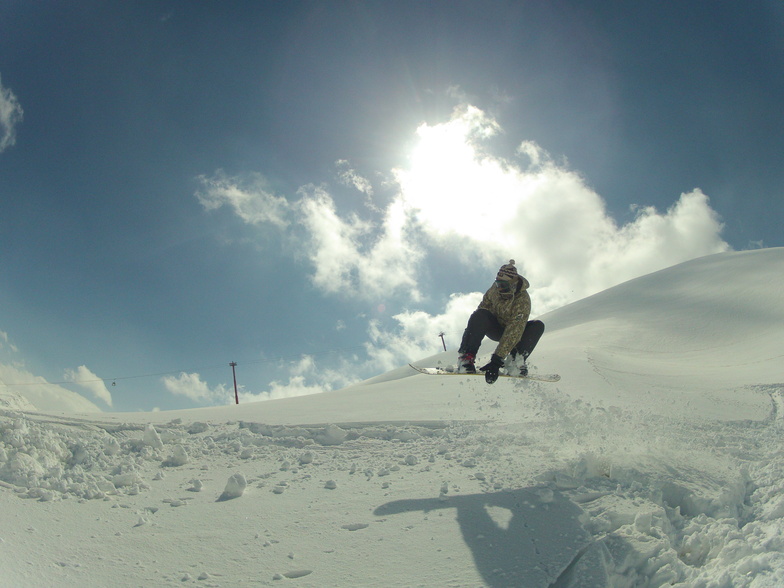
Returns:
(452, 188)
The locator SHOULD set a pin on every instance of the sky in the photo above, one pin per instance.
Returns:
(317, 190)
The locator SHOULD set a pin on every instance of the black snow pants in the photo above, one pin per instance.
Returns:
(483, 324)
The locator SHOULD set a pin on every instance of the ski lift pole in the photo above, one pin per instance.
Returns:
(441, 334)
(233, 364)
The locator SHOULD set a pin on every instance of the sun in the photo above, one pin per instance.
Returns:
(452, 188)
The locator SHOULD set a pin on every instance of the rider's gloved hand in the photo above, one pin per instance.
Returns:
(491, 369)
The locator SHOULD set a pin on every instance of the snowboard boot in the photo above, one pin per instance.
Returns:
(465, 363)
(515, 364)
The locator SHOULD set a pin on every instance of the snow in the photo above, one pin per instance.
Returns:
(656, 461)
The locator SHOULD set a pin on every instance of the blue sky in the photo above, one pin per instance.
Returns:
(316, 189)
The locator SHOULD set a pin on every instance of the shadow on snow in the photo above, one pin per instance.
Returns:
(543, 545)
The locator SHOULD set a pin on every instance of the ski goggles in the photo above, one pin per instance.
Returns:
(504, 286)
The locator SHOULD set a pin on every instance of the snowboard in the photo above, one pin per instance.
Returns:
(452, 371)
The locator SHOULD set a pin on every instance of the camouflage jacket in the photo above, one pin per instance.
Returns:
(512, 314)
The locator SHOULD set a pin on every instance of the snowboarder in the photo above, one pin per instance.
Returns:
(503, 317)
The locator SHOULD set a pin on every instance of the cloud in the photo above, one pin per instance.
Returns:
(249, 197)
(6, 342)
(456, 197)
(89, 381)
(349, 255)
(193, 387)
(304, 378)
(416, 333)
(11, 115)
(358, 257)
(306, 370)
(35, 393)
(296, 386)
(541, 213)
(349, 177)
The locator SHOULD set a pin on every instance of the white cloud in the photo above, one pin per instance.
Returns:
(304, 378)
(417, 333)
(482, 209)
(11, 115)
(191, 386)
(333, 246)
(350, 255)
(6, 342)
(542, 214)
(296, 386)
(358, 257)
(349, 177)
(249, 198)
(89, 381)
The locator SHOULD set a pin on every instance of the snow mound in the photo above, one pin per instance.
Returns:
(13, 401)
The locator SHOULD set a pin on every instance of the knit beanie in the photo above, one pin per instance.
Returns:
(508, 272)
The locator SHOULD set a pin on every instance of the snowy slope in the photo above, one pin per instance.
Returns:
(683, 340)
(655, 461)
